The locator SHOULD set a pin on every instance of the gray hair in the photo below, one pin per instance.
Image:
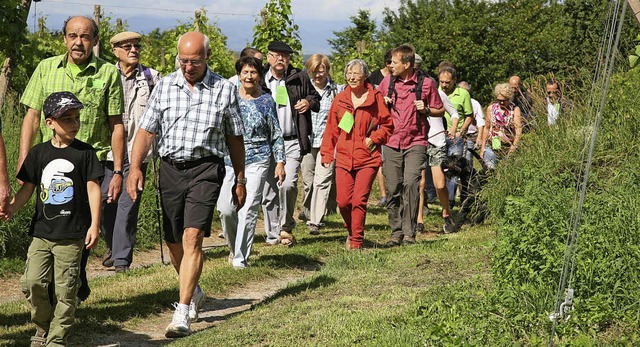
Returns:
(361, 63)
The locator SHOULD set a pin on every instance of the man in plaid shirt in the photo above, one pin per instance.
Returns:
(97, 85)
(196, 116)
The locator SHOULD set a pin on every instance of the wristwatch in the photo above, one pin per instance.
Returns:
(118, 172)
(242, 181)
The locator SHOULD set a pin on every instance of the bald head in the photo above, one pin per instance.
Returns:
(193, 52)
(465, 85)
(194, 40)
(515, 82)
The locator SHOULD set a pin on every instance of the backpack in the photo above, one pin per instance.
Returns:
(417, 89)
(147, 75)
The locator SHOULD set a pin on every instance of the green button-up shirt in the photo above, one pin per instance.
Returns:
(461, 101)
(97, 86)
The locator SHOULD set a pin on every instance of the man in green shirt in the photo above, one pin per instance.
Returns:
(461, 101)
(96, 83)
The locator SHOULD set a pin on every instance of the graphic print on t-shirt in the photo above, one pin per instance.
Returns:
(56, 190)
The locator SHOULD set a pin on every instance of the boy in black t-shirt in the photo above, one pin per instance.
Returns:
(64, 172)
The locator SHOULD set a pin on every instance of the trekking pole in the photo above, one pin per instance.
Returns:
(156, 185)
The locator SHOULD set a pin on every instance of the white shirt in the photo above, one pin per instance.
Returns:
(437, 135)
(478, 113)
(285, 116)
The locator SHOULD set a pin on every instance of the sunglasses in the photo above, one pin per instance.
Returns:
(502, 100)
(130, 46)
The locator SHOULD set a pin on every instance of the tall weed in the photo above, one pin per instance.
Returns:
(531, 199)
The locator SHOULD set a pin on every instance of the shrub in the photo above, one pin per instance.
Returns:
(532, 196)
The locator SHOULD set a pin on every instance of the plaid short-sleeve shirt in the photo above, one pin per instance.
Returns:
(192, 124)
(98, 87)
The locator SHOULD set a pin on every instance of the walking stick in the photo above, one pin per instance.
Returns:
(156, 185)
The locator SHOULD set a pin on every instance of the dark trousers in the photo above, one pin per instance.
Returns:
(119, 220)
(403, 170)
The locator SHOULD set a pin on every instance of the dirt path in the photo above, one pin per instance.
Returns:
(10, 285)
(150, 332)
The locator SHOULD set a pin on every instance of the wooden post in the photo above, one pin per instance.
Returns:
(197, 20)
(163, 60)
(635, 7)
(96, 17)
(41, 26)
(7, 66)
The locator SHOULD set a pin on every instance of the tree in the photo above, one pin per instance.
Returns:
(161, 48)
(357, 41)
(13, 20)
(275, 23)
(489, 41)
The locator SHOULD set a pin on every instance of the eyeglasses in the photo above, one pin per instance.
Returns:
(502, 100)
(552, 92)
(354, 75)
(194, 63)
(128, 47)
(320, 72)
(281, 55)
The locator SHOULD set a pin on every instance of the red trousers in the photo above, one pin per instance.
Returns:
(352, 193)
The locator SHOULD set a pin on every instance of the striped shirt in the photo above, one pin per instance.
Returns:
(319, 119)
(97, 86)
(192, 124)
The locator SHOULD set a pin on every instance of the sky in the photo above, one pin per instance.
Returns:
(317, 19)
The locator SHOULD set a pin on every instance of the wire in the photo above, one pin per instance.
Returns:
(597, 102)
(149, 8)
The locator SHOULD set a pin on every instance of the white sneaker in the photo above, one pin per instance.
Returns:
(179, 326)
(197, 301)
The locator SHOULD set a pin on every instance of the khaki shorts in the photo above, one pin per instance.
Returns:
(436, 155)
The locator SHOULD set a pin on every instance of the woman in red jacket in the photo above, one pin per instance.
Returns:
(357, 126)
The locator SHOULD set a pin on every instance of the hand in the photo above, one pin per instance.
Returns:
(388, 100)
(326, 165)
(115, 188)
(92, 237)
(369, 143)
(511, 150)
(239, 195)
(452, 134)
(420, 106)
(135, 183)
(279, 172)
(302, 106)
(6, 213)
(5, 195)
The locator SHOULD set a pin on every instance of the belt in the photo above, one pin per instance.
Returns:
(188, 164)
(290, 137)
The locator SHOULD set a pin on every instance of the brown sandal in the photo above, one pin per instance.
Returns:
(39, 339)
(287, 239)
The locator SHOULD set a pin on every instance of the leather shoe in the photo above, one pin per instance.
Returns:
(393, 242)
(122, 268)
(106, 259)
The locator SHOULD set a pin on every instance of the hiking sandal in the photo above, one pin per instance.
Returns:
(39, 339)
(287, 239)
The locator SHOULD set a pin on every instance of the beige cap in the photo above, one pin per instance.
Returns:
(123, 37)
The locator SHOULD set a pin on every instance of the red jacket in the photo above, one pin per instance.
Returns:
(372, 119)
